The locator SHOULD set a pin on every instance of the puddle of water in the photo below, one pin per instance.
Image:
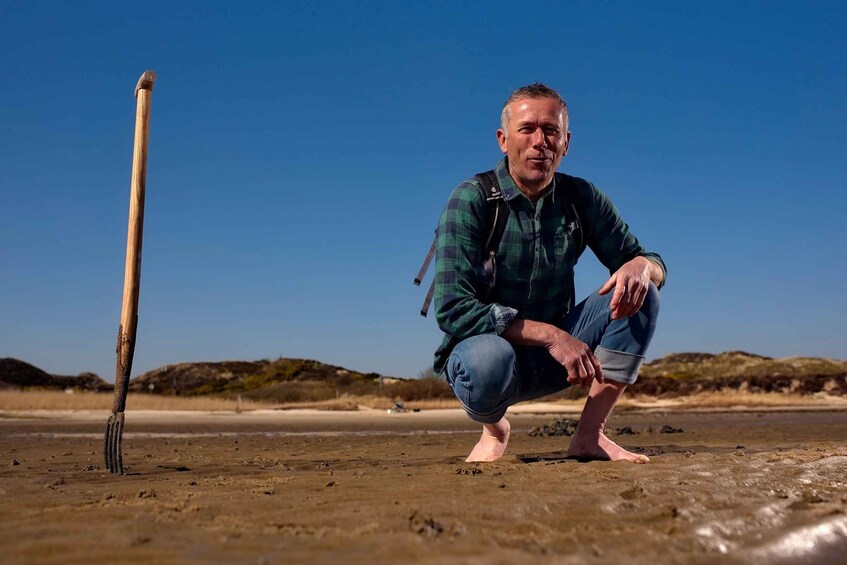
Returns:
(825, 542)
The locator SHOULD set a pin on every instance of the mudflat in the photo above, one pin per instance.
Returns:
(373, 487)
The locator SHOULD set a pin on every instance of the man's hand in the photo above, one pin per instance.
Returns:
(631, 283)
(571, 353)
(577, 358)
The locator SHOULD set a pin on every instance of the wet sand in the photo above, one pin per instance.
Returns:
(369, 487)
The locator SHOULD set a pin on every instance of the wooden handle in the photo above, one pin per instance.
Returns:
(132, 273)
(145, 82)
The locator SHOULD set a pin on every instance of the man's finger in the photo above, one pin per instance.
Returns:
(639, 301)
(590, 371)
(628, 299)
(625, 309)
(617, 296)
(589, 368)
(631, 292)
(573, 373)
(607, 286)
(636, 302)
(622, 305)
(579, 372)
(598, 370)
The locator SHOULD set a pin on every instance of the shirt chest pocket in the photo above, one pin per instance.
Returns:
(566, 243)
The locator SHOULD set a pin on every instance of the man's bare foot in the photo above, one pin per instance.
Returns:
(492, 445)
(602, 449)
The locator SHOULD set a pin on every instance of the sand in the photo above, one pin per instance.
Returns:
(372, 487)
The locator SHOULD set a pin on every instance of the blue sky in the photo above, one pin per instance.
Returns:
(300, 154)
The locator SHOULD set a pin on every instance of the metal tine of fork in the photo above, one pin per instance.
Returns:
(112, 444)
(106, 452)
(118, 446)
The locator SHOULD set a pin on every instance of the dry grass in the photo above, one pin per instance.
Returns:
(333, 405)
(718, 400)
(374, 402)
(734, 398)
(54, 400)
(761, 399)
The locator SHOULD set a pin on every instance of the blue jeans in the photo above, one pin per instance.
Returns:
(488, 374)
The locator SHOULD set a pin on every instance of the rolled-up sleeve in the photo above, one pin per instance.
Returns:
(460, 277)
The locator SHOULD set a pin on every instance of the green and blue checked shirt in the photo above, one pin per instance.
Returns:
(535, 260)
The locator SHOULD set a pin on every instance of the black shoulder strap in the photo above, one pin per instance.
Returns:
(497, 214)
(498, 210)
(496, 217)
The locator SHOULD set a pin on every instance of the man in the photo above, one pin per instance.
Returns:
(525, 338)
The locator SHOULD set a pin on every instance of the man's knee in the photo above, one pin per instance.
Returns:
(650, 308)
(480, 371)
(642, 325)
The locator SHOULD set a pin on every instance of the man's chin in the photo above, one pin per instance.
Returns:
(539, 176)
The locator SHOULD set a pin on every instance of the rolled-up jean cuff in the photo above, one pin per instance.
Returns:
(619, 366)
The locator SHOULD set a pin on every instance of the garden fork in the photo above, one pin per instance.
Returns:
(132, 275)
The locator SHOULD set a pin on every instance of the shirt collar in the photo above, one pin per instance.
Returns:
(508, 187)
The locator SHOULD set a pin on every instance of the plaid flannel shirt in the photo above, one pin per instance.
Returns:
(535, 259)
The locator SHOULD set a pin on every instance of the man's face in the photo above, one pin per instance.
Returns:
(535, 140)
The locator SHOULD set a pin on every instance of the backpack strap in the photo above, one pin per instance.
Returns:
(426, 263)
(496, 217)
(424, 268)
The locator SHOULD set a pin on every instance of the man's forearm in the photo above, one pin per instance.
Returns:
(528, 332)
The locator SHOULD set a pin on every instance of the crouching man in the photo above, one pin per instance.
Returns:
(512, 329)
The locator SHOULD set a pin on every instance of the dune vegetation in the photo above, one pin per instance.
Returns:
(690, 380)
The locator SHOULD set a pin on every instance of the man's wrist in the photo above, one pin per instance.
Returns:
(657, 273)
(654, 269)
(552, 335)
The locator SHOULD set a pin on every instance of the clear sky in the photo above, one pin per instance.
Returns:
(300, 154)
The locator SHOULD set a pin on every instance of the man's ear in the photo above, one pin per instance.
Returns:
(567, 143)
(501, 140)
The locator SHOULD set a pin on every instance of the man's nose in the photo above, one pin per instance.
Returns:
(538, 139)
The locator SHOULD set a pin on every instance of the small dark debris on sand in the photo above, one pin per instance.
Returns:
(560, 427)
(625, 431)
(424, 525)
(666, 429)
(468, 470)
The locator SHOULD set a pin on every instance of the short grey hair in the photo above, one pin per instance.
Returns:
(534, 90)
